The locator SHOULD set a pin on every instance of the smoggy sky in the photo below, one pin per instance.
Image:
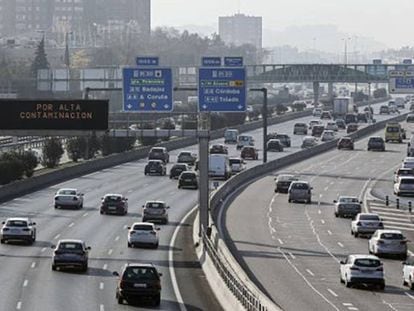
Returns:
(388, 21)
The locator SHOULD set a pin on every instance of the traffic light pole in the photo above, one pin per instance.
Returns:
(264, 118)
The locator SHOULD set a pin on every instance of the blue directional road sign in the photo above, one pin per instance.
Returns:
(211, 61)
(401, 82)
(222, 89)
(233, 61)
(147, 89)
(147, 61)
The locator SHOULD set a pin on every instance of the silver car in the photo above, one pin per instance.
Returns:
(18, 229)
(155, 211)
(68, 197)
(366, 223)
(143, 233)
(347, 206)
(300, 191)
(388, 242)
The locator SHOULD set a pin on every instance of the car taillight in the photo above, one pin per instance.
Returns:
(380, 269)
(131, 232)
(26, 229)
(122, 284)
(381, 224)
(354, 268)
(153, 232)
(380, 242)
(58, 252)
(6, 229)
(157, 285)
(403, 242)
(75, 198)
(359, 223)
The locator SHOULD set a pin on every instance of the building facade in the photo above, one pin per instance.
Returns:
(241, 29)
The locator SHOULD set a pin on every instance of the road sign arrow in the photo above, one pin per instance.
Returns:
(166, 106)
(240, 106)
(204, 106)
(129, 106)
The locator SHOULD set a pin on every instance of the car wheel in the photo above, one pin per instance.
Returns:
(356, 234)
(308, 201)
(85, 267)
(2, 241)
(178, 186)
(157, 300)
(81, 206)
(171, 177)
(289, 200)
(144, 219)
(56, 206)
(156, 245)
(120, 300)
(381, 286)
(129, 244)
(336, 215)
(101, 212)
(53, 267)
(347, 283)
(411, 284)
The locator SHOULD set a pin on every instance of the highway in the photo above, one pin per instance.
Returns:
(27, 281)
(292, 250)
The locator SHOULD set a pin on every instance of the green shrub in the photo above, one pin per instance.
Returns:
(52, 152)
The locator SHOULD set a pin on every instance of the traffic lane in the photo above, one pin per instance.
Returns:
(354, 186)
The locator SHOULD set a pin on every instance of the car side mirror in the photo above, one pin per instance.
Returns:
(128, 228)
(335, 201)
(360, 202)
(33, 224)
(52, 246)
(126, 199)
(159, 274)
(88, 248)
(167, 207)
(115, 273)
(143, 206)
(404, 263)
(311, 188)
(158, 229)
(3, 222)
(342, 262)
(81, 194)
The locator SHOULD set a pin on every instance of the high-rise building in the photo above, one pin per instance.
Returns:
(241, 29)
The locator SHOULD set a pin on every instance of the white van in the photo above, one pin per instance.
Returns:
(245, 140)
(230, 136)
(219, 166)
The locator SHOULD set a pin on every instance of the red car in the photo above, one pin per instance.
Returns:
(249, 153)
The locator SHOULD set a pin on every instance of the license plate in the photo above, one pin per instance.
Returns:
(187, 180)
(152, 171)
(15, 231)
(367, 271)
(111, 207)
(139, 285)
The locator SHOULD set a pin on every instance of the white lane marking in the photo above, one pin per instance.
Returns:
(280, 241)
(322, 221)
(329, 232)
(110, 251)
(172, 193)
(340, 244)
(353, 308)
(25, 283)
(270, 209)
(332, 292)
(33, 265)
(101, 308)
(71, 225)
(105, 266)
(326, 188)
(43, 249)
(125, 226)
(117, 238)
(57, 236)
(101, 286)
(19, 305)
(273, 230)
(173, 277)
(86, 214)
(145, 185)
(319, 211)
(347, 304)
(389, 305)
(291, 255)
(310, 272)
(410, 296)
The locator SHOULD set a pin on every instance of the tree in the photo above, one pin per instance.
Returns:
(40, 61)
(52, 152)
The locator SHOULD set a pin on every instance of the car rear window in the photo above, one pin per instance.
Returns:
(113, 199)
(367, 262)
(235, 161)
(301, 186)
(67, 192)
(138, 273)
(375, 139)
(187, 175)
(155, 205)
(143, 227)
(157, 150)
(16, 223)
(369, 217)
(285, 178)
(393, 129)
(179, 166)
(392, 236)
(70, 246)
(348, 200)
(407, 181)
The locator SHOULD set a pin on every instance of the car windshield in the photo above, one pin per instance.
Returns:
(180, 167)
(143, 227)
(301, 186)
(235, 161)
(157, 150)
(113, 198)
(155, 205)
(375, 140)
(405, 172)
(392, 236)
(285, 178)
(244, 138)
(139, 274)
(348, 200)
(70, 246)
(67, 192)
(393, 129)
(154, 163)
(16, 223)
(407, 181)
(369, 217)
(187, 175)
(367, 262)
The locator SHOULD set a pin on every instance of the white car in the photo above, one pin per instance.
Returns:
(332, 126)
(18, 229)
(362, 269)
(408, 272)
(404, 186)
(328, 135)
(366, 223)
(347, 206)
(312, 123)
(388, 242)
(68, 197)
(143, 233)
(317, 112)
(237, 165)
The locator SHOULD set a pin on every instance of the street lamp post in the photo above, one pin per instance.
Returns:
(346, 49)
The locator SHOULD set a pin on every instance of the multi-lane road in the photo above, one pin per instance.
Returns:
(293, 250)
(28, 283)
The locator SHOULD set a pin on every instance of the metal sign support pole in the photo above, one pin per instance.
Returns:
(264, 118)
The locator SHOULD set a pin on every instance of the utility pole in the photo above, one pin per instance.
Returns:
(264, 118)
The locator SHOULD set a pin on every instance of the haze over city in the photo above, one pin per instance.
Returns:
(389, 26)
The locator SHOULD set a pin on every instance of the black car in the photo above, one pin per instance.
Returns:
(177, 169)
(186, 157)
(274, 145)
(114, 204)
(351, 118)
(70, 254)
(317, 130)
(340, 123)
(345, 143)
(155, 167)
(284, 139)
(362, 117)
(218, 149)
(188, 180)
(283, 181)
(376, 143)
(159, 153)
(138, 281)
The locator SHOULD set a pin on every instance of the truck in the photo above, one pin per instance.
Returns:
(342, 106)
(219, 166)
